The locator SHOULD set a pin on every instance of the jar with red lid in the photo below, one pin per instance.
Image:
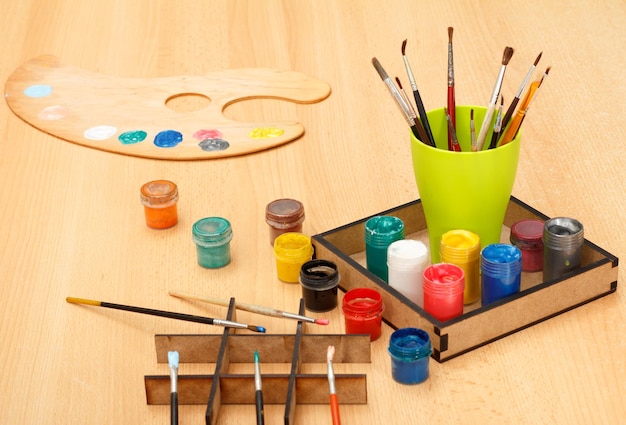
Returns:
(363, 312)
(527, 236)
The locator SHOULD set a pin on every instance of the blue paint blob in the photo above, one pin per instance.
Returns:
(168, 139)
(132, 137)
(38, 90)
(261, 329)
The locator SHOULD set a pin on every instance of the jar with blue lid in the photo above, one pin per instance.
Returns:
(410, 350)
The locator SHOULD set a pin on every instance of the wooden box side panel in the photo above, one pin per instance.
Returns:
(526, 309)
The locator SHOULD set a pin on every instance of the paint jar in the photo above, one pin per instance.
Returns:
(380, 232)
(501, 270)
(443, 290)
(212, 236)
(283, 216)
(527, 236)
(363, 312)
(410, 350)
(406, 261)
(159, 199)
(319, 280)
(462, 247)
(563, 243)
(291, 251)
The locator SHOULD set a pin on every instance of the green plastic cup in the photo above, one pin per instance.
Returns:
(463, 190)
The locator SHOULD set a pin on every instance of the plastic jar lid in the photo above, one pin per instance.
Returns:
(501, 260)
(159, 193)
(563, 233)
(444, 278)
(293, 246)
(319, 275)
(382, 230)
(527, 231)
(284, 213)
(363, 302)
(410, 344)
(407, 254)
(212, 231)
(460, 245)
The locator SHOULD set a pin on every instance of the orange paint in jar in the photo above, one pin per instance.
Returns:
(159, 199)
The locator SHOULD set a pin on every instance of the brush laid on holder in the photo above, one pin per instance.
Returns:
(167, 314)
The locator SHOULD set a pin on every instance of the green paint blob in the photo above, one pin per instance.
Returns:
(131, 137)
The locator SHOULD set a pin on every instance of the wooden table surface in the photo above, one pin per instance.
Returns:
(71, 223)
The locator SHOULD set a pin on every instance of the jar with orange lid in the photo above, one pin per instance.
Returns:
(159, 199)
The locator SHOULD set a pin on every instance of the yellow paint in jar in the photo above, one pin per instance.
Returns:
(462, 248)
(291, 250)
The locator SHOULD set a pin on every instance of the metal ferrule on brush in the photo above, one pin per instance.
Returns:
(409, 72)
(404, 108)
(229, 324)
(331, 379)
(257, 376)
(450, 66)
(174, 379)
(297, 317)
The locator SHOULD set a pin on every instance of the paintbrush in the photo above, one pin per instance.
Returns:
(258, 391)
(472, 130)
(334, 402)
(172, 357)
(516, 123)
(497, 128)
(430, 140)
(267, 311)
(406, 98)
(452, 133)
(451, 96)
(484, 128)
(518, 95)
(168, 314)
(418, 130)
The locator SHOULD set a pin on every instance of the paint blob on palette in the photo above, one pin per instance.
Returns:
(130, 116)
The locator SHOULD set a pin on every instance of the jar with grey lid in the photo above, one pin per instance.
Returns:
(563, 239)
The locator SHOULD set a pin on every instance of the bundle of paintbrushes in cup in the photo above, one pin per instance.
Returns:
(464, 157)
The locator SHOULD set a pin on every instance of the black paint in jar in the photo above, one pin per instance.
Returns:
(319, 280)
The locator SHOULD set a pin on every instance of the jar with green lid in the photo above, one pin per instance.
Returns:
(212, 236)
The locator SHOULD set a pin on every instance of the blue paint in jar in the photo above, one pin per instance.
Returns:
(501, 271)
(168, 139)
(410, 350)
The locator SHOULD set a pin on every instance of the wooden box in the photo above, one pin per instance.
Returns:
(537, 300)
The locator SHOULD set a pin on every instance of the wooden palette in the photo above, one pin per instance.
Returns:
(132, 116)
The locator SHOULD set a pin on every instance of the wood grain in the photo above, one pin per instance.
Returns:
(71, 223)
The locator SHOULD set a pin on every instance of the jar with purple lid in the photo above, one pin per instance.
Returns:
(527, 235)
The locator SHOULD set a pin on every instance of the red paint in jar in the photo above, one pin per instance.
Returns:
(527, 236)
(443, 291)
(363, 312)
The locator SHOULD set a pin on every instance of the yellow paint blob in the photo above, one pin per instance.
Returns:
(266, 132)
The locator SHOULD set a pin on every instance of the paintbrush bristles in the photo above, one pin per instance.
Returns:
(379, 68)
(506, 56)
(537, 60)
(450, 31)
(404, 47)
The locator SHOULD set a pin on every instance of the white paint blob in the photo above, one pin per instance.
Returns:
(100, 132)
